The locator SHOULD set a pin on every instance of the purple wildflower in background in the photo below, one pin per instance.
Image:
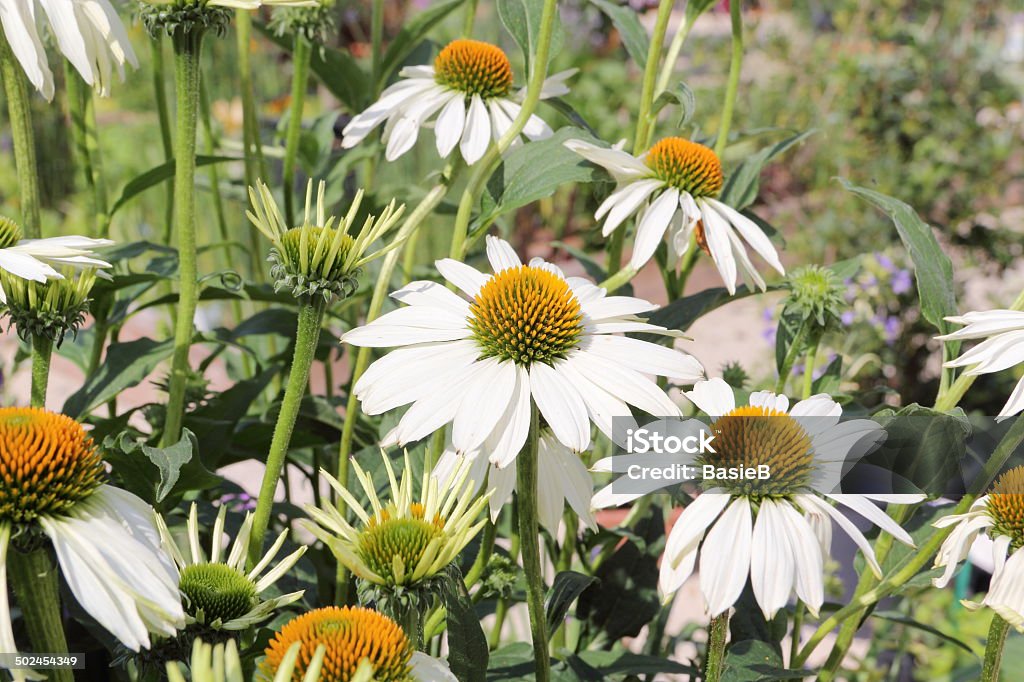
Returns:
(901, 282)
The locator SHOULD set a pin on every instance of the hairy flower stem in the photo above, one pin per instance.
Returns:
(302, 53)
(809, 360)
(529, 536)
(307, 335)
(953, 394)
(994, 649)
(483, 168)
(671, 57)
(362, 360)
(42, 352)
(733, 84)
(718, 632)
(23, 139)
(911, 566)
(34, 579)
(187, 49)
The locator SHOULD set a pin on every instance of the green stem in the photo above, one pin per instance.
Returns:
(644, 119)
(476, 571)
(187, 49)
(211, 147)
(20, 113)
(82, 113)
(163, 114)
(994, 649)
(718, 632)
(795, 346)
(411, 621)
(307, 335)
(302, 52)
(672, 56)
(951, 397)
(42, 352)
(529, 530)
(1006, 447)
(734, 77)
(255, 165)
(486, 165)
(809, 361)
(376, 44)
(620, 278)
(34, 578)
(469, 18)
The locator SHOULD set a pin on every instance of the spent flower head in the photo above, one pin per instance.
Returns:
(216, 589)
(320, 256)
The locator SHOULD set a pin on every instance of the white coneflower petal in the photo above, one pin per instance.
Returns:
(772, 569)
(729, 565)
(1003, 331)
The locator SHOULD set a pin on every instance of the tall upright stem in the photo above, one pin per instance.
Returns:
(163, 111)
(672, 56)
(994, 649)
(307, 335)
(187, 49)
(82, 112)
(42, 352)
(20, 115)
(376, 43)
(485, 166)
(529, 530)
(302, 52)
(734, 77)
(718, 632)
(255, 165)
(643, 119)
(34, 579)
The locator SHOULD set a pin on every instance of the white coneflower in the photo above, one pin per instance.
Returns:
(358, 644)
(1000, 516)
(107, 545)
(218, 591)
(1003, 347)
(528, 333)
(775, 531)
(89, 34)
(672, 189)
(561, 478)
(36, 259)
(470, 84)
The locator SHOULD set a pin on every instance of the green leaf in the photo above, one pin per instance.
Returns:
(154, 473)
(337, 70)
(534, 171)
(469, 658)
(682, 96)
(125, 365)
(157, 175)
(567, 586)
(522, 18)
(903, 619)
(412, 33)
(609, 663)
(756, 661)
(627, 23)
(742, 185)
(932, 267)
(683, 312)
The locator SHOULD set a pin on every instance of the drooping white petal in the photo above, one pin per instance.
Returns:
(652, 226)
(450, 124)
(646, 357)
(424, 668)
(716, 235)
(19, 26)
(477, 134)
(485, 399)
(511, 431)
(619, 164)
(624, 202)
(560, 404)
(771, 559)
(750, 232)
(626, 384)
(807, 558)
(725, 557)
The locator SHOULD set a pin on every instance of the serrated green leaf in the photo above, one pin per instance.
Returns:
(522, 19)
(743, 184)
(756, 661)
(932, 268)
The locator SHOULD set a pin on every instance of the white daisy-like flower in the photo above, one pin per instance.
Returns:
(89, 34)
(107, 545)
(1000, 516)
(218, 592)
(470, 84)
(775, 531)
(672, 189)
(527, 334)
(561, 478)
(358, 644)
(1003, 347)
(37, 259)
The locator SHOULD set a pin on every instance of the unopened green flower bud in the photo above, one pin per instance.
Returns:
(319, 257)
(314, 23)
(47, 309)
(816, 293)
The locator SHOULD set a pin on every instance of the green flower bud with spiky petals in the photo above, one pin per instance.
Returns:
(314, 23)
(216, 592)
(47, 309)
(816, 293)
(319, 257)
